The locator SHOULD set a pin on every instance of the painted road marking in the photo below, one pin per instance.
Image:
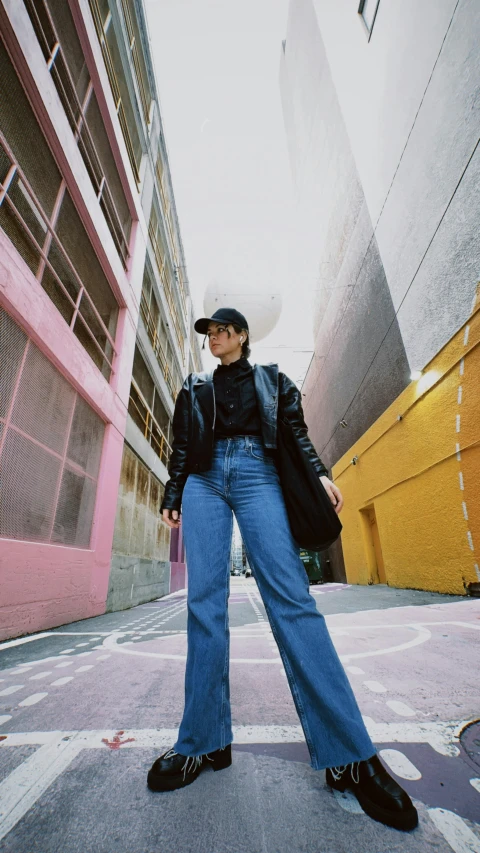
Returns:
(39, 675)
(80, 644)
(67, 651)
(355, 670)
(400, 764)
(375, 686)
(22, 788)
(400, 708)
(20, 671)
(7, 691)
(61, 681)
(103, 657)
(64, 663)
(475, 783)
(84, 668)
(11, 643)
(32, 700)
(84, 654)
(348, 802)
(455, 831)
(4, 718)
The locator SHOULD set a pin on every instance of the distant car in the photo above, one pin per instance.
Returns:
(236, 573)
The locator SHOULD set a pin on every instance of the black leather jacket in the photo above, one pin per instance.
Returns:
(194, 423)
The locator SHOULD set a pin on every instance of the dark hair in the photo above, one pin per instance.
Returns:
(246, 344)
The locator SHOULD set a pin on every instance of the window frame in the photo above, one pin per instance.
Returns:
(361, 7)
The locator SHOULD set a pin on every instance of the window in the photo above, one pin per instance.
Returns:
(147, 410)
(63, 54)
(157, 333)
(127, 114)
(157, 240)
(39, 217)
(368, 11)
(50, 447)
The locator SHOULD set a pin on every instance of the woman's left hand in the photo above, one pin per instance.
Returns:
(333, 493)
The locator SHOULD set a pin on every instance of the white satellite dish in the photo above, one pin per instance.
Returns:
(262, 310)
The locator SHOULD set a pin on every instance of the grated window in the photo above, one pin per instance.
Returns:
(50, 447)
(62, 49)
(38, 215)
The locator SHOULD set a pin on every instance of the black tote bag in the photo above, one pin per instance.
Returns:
(313, 521)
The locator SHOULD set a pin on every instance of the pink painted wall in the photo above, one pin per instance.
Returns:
(44, 585)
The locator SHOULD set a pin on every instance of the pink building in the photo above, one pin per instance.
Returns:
(95, 315)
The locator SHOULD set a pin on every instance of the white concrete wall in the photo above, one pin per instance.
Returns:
(410, 101)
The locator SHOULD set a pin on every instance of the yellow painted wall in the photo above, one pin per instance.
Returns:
(421, 475)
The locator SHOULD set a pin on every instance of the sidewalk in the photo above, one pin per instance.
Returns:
(85, 709)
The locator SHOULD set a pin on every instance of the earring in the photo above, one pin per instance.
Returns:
(241, 340)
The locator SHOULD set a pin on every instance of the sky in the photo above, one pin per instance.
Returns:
(217, 68)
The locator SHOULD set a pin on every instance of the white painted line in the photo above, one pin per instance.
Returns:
(470, 540)
(67, 651)
(64, 663)
(61, 681)
(462, 366)
(475, 783)
(32, 700)
(21, 669)
(375, 686)
(348, 802)
(455, 831)
(22, 788)
(14, 688)
(459, 455)
(355, 670)
(442, 736)
(84, 668)
(80, 644)
(459, 397)
(11, 643)
(39, 675)
(465, 337)
(460, 479)
(465, 511)
(457, 423)
(400, 764)
(103, 657)
(4, 718)
(84, 654)
(400, 708)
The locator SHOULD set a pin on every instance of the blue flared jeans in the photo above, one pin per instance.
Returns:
(243, 480)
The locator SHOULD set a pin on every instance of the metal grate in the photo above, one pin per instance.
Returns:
(116, 76)
(39, 217)
(147, 410)
(63, 54)
(139, 528)
(50, 447)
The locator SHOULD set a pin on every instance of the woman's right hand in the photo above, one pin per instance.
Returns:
(171, 517)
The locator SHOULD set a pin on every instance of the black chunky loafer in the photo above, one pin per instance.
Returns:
(172, 770)
(380, 796)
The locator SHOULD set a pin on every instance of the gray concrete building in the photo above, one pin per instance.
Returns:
(382, 115)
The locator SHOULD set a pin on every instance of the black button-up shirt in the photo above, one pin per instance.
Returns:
(236, 402)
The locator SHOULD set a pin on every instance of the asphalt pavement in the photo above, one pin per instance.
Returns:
(86, 708)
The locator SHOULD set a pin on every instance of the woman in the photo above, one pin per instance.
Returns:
(223, 462)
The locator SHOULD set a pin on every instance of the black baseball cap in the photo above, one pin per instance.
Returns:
(223, 315)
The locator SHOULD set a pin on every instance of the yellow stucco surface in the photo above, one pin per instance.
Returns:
(418, 478)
